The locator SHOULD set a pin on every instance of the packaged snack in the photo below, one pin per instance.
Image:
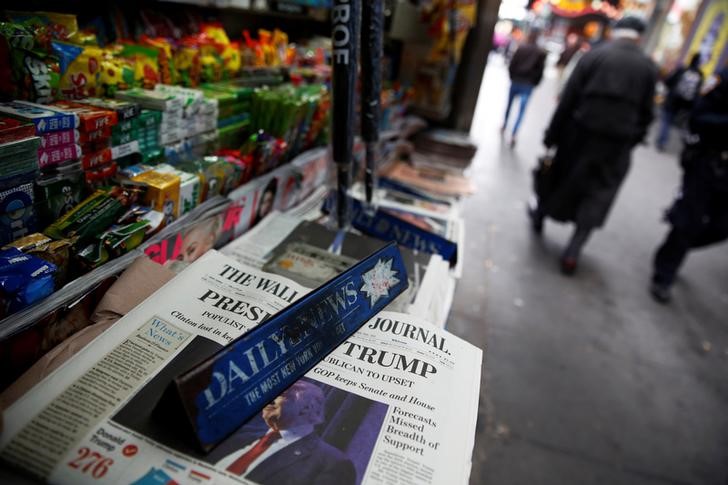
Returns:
(45, 119)
(12, 129)
(154, 100)
(125, 110)
(59, 154)
(90, 118)
(57, 194)
(189, 189)
(58, 138)
(28, 71)
(162, 192)
(101, 176)
(80, 69)
(55, 252)
(187, 62)
(116, 74)
(165, 61)
(96, 159)
(95, 135)
(19, 150)
(121, 239)
(146, 64)
(17, 213)
(92, 216)
(24, 280)
(132, 171)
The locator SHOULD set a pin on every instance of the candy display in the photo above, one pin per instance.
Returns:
(24, 279)
(105, 141)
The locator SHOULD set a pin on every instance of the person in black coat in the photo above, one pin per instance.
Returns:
(683, 87)
(699, 217)
(603, 112)
(526, 71)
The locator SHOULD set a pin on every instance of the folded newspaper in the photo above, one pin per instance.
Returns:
(378, 409)
(299, 250)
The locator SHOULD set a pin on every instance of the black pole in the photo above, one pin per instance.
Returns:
(372, 19)
(344, 37)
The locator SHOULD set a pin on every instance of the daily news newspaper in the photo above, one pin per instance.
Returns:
(395, 403)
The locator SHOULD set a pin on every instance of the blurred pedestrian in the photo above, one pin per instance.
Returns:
(571, 47)
(526, 71)
(699, 217)
(604, 111)
(683, 88)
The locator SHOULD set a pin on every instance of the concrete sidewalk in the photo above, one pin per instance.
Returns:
(586, 379)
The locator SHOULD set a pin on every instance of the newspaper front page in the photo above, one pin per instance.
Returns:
(395, 403)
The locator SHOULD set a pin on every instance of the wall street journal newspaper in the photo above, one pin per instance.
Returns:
(395, 403)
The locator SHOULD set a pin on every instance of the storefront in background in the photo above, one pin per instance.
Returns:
(694, 26)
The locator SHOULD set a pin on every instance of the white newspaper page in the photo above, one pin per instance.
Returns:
(253, 247)
(379, 409)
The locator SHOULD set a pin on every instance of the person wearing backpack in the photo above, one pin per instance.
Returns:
(526, 71)
(699, 217)
(683, 88)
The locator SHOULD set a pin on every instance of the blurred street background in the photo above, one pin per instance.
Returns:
(586, 379)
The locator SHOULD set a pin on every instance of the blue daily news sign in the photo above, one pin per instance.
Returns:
(388, 227)
(232, 386)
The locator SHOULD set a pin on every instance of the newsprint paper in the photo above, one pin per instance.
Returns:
(395, 403)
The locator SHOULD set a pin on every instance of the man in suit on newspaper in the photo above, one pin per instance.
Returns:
(290, 452)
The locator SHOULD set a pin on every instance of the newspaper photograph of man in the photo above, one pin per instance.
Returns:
(312, 433)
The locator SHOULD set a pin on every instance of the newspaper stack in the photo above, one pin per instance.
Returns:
(378, 409)
(299, 250)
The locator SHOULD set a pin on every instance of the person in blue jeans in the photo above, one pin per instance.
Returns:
(526, 71)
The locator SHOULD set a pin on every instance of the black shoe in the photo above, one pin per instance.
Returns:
(536, 219)
(661, 293)
(568, 265)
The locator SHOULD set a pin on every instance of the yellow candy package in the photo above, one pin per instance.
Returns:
(80, 67)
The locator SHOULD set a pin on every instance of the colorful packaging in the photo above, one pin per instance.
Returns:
(162, 192)
(12, 129)
(24, 280)
(102, 176)
(125, 110)
(44, 118)
(55, 252)
(57, 194)
(96, 159)
(155, 100)
(58, 138)
(91, 118)
(17, 213)
(95, 135)
(59, 154)
(27, 70)
(189, 189)
(91, 217)
(80, 68)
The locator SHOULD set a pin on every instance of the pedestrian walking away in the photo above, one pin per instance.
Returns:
(604, 111)
(526, 71)
(699, 217)
(683, 88)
